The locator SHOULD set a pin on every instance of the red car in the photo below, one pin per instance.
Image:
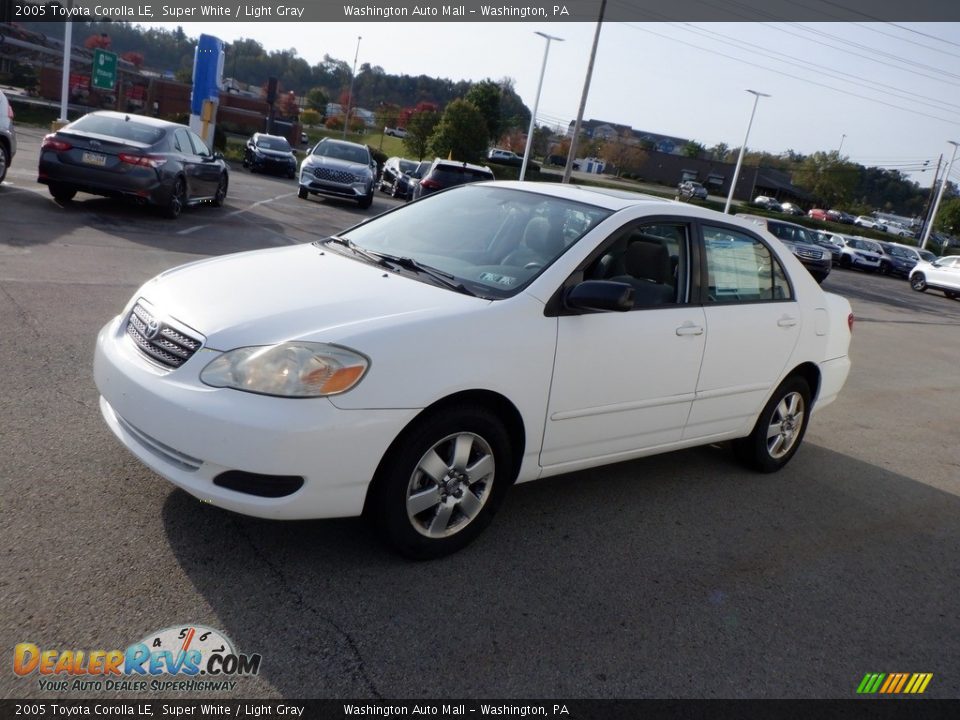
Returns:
(817, 214)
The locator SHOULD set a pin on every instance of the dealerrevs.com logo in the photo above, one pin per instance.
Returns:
(188, 658)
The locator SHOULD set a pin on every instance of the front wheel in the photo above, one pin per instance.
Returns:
(779, 429)
(918, 282)
(302, 193)
(221, 194)
(366, 201)
(441, 483)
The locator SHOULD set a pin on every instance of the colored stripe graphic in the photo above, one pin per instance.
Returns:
(894, 683)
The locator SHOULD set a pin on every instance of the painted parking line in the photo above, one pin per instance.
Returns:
(191, 229)
(260, 202)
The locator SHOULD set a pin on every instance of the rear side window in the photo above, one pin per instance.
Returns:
(742, 269)
(119, 128)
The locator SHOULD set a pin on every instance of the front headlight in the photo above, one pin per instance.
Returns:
(291, 369)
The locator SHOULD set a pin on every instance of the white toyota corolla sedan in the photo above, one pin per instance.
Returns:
(417, 365)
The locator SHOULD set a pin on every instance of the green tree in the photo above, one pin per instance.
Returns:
(948, 217)
(692, 149)
(485, 96)
(461, 133)
(420, 126)
(317, 100)
(826, 176)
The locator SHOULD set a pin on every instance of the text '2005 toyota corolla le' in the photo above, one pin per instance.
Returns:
(417, 365)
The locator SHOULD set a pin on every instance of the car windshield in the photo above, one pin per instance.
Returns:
(457, 174)
(274, 143)
(118, 127)
(901, 253)
(493, 240)
(927, 256)
(341, 151)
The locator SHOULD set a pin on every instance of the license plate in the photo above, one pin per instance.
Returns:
(94, 159)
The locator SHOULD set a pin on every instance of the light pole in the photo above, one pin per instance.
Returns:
(936, 205)
(536, 102)
(743, 148)
(353, 76)
(65, 78)
(842, 138)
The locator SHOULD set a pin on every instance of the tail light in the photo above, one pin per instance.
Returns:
(10, 111)
(430, 184)
(51, 142)
(151, 161)
(850, 322)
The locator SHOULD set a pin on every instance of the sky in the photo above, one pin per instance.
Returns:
(883, 94)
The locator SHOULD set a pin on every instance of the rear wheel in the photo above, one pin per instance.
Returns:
(62, 193)
(779, 429)
(4, 161)
(178, 199)
(918, 282)
(442, 482)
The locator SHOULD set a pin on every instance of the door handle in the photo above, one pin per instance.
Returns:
(688, 328)
(787, 321)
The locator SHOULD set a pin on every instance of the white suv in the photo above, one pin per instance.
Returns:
(940, 274)
(8, 137)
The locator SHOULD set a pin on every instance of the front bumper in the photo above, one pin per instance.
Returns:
(349, 191)
(191, 433)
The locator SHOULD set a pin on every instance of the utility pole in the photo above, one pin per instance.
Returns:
(572, 154)
(933, 189)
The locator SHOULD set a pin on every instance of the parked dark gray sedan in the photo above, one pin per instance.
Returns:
(150, 161)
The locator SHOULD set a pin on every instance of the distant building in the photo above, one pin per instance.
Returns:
(603, 130)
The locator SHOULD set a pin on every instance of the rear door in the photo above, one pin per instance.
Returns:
(752, 325)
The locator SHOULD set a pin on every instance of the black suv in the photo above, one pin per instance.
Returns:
(447, 173)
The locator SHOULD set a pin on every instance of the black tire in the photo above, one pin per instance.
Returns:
(178, 199)
(302, 193)
(448, 521)
(4, 161)
(951, 295)
(366, 201)
(62, 193)
(845, 262)
(918, 282)
(395, 189)
(764, 452)
(884, 267)
(221, 194)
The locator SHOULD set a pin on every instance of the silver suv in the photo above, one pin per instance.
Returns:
(8, 137)
(337, 168)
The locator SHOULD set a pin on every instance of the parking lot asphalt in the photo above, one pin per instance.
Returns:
(681, 575)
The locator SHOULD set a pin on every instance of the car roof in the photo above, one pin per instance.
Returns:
(456, 163)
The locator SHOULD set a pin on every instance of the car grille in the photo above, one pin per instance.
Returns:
(809, 253)
(158, 340)
(338, 176)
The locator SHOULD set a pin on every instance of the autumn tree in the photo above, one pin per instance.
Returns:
(134, 58)
(100, 41)
(623, 153)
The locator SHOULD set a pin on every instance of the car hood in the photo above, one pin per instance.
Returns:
(301, 292)
(335, 163)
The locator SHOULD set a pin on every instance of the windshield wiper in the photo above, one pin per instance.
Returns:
(443, 278)
(355, 249)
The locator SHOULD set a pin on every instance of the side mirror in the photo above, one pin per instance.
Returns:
(218, 155)
(600, 295)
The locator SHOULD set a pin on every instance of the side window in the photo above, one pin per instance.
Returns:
(181, 142)
(741, 268)
(199, 147)
(650, 257)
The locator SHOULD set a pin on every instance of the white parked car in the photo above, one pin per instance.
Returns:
(868, 222)
(860, 253)
(898, 230)
(943, 273)
(415, 366)
(395, 132)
